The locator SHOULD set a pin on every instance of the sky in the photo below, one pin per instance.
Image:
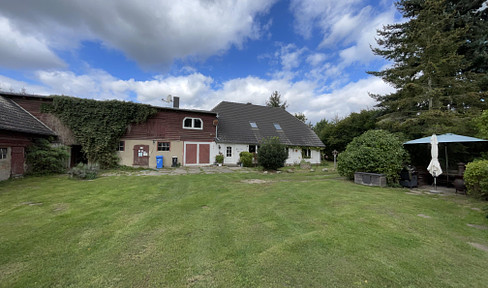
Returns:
(315, 53)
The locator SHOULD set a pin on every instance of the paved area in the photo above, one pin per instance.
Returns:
(182, 171)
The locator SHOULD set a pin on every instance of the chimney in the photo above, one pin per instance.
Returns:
(176, 102)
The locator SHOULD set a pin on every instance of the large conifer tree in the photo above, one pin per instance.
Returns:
(439, 67)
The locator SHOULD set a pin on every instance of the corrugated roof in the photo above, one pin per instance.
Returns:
(234, 125)
(15, 118)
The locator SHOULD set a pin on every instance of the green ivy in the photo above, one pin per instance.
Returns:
(98, 125)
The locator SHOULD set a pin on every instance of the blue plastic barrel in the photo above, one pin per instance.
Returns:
(159, 162)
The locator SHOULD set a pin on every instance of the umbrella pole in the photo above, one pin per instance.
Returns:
(447, 171)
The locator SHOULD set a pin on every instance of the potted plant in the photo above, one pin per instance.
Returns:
(219, 159)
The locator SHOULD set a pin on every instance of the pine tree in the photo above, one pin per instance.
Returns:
(275, 101)
(434, 68)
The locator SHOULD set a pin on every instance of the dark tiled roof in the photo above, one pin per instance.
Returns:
(14, 118)
(234, 125)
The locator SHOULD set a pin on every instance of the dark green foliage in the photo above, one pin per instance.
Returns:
(337, 134)
(98, 125)
(376, 151)
(84, 171)
(476, 179)
(42, 158)
(246, 158)
(275, 101)
(272, 154)
(439, 67)
(219, 158)
(482, 124)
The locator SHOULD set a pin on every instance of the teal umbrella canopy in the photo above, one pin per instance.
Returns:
(446, 138)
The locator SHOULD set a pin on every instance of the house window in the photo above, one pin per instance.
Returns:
(252, 149)
(163, 146)
(121, 146)
(253, 125)
(277, 126)
(229, 151)
(3, 153)
(306, 153)
(192, 123)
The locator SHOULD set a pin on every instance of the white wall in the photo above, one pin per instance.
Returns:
(294, 154)
(236, 150)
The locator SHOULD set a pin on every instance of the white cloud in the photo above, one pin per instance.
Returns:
(21, 51)
(196, 91)
(150, 32)
(347, 26)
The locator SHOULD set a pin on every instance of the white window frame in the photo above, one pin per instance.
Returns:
(228, 151)
(277, 126)
(121, 146)
(193, 123)
(163, 146)
(254, 125)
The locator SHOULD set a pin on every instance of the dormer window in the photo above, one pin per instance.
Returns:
(277, 126)
(192, 123)
(253, 125)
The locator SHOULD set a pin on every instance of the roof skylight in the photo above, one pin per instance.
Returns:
(253, 124)
(277, 126)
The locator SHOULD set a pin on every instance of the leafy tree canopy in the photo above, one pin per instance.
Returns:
(336, 134)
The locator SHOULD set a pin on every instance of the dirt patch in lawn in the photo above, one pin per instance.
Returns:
(479, 246)
(255, 181)
(481, 227)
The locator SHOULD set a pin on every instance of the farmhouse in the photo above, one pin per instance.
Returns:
(18, 128)
(181, 136)
(242, 127)
(178, 136)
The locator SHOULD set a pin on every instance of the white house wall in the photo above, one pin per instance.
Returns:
(294, 154)
(295, 157)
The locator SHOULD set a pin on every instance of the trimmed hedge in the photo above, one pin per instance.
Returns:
(476, 179)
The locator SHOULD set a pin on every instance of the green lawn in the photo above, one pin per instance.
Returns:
(297, 229)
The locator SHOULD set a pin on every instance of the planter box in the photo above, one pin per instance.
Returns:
(370, 179)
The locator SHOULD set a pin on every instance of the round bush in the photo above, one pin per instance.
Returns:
(272, 154)
(476, 179)
(246, 158)
(375, 151)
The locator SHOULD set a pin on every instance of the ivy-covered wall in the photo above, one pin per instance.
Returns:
(98, 125)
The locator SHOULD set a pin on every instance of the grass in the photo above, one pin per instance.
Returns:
(297, 229)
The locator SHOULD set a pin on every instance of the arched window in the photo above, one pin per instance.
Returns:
(192, 123)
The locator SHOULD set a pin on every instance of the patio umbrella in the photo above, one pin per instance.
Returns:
(446, 138)
(434, 167)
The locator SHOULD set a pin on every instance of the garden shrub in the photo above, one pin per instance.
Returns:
(84, 171)
(476, 179)
(375, 151)
(272, 154)
(42, 158)
(246, 158)
(219, 158)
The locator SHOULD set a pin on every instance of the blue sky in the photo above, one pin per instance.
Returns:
(315, 53)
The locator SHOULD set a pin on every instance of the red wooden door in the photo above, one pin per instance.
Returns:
(17, 161)
(204, 154)
(141, 155)
(191, 153)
